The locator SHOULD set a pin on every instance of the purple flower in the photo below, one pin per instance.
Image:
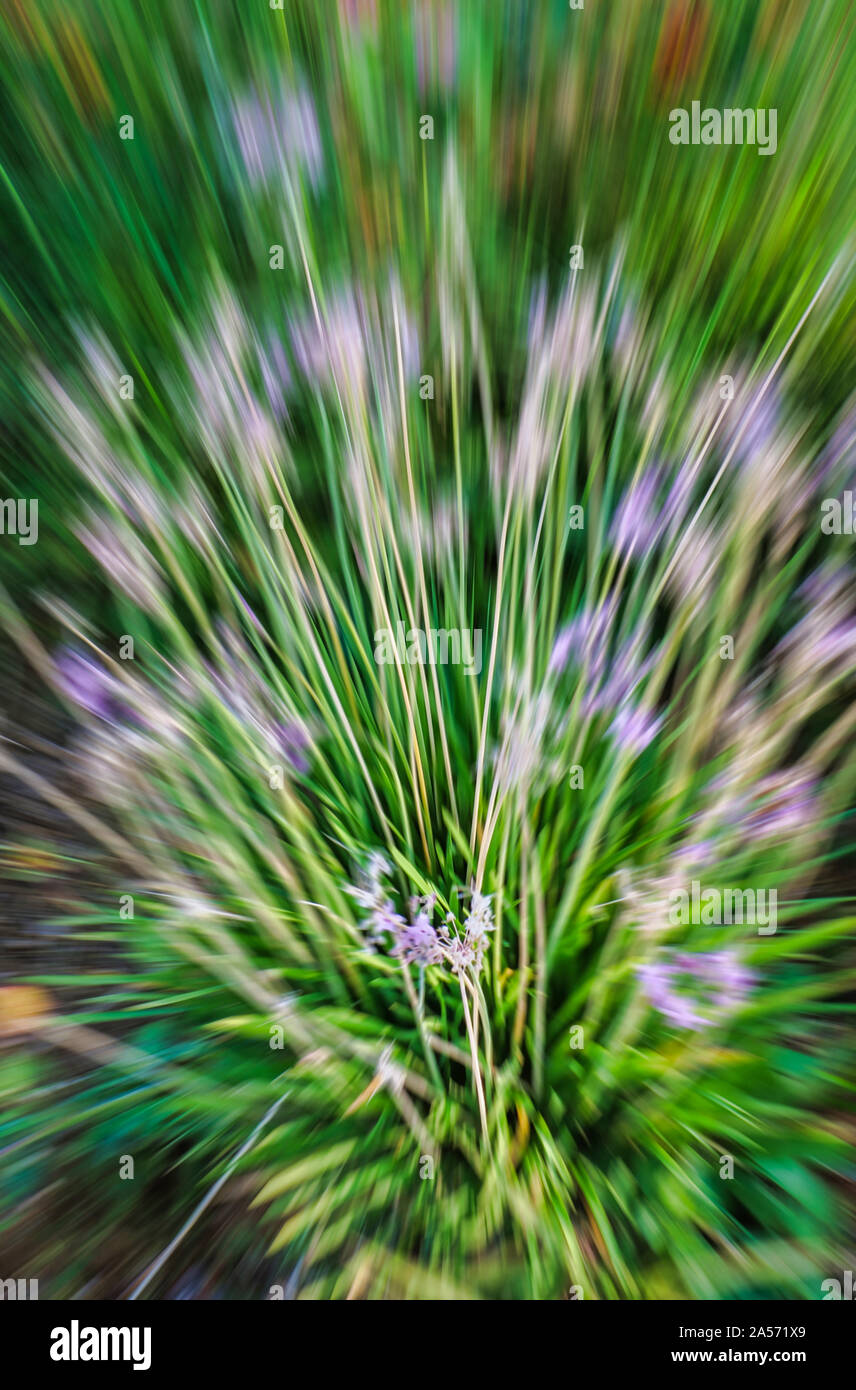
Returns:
(370, 893)
(276, 376)
(436, 46)
(587, 634)
(86, 684)
(656, 981)
(127, 562)
(694, 854)
(835, 467)
(626, 675)
(633, 728)
(636, 525)
(333, 349)
(678, 499)
(417, 942)
(477, 926)
(293, 741)
(278, 137)
(385, 919)
(611, 678)
(357, 13)
(562, 649)
(787, 802)
(695, 564)
(728, 978)
(719, 980)
(752, 427)
(826, 635)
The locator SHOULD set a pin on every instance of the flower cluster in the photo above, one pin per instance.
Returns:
(418, 941)
(696, 990)
(466, 952)
(372, 896)
(611, 682)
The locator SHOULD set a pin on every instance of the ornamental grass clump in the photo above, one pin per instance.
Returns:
(397, 932)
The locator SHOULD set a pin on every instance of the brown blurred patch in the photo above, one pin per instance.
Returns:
(516, 141)
(29, 859)
(682, 36)
(780, 23)
(60, 39)
(79, 72)
(25, 23)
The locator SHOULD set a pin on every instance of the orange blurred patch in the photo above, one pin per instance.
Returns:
(22, 1008)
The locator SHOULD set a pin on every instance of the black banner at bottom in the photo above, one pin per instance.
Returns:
(84, 1339)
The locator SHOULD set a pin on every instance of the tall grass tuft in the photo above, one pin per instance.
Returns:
(429, 617)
